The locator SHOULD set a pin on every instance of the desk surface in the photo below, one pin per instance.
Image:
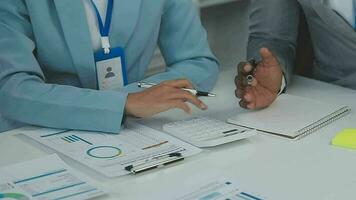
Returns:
(272, 167)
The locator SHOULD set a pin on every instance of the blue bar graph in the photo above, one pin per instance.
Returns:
(75, 138)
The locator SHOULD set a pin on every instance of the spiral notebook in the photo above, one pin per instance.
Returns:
(291, 116)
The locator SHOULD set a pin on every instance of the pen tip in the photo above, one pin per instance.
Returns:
(212, 95)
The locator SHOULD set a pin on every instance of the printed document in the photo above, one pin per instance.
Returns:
(217, 189)
(109, 154)
(44, 179)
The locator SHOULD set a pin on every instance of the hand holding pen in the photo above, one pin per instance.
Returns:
(246, 72)
(195, 92)
(162, 97)
(258, 83)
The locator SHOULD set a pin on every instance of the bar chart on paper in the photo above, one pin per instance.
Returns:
(45, 178)
(74, 138)
(217, 189)
(15, 196)
(109, 154)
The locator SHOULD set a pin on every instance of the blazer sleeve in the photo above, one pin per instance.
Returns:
(274, 24)
(184, 46)
(26, 97)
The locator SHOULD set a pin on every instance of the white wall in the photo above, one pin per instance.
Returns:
(227, 27)
(226, 24)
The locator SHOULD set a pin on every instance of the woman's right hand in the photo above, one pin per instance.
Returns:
(165, 96)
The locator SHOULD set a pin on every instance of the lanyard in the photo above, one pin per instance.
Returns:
(104, 28)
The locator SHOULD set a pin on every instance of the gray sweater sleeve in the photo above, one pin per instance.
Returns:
(274, 25)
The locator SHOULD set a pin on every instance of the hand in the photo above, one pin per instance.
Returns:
(264, 88)
(167, 95)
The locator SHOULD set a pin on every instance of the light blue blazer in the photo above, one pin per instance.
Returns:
(47, 68)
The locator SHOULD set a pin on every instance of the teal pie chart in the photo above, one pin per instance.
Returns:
(15, 196)
(104, 152)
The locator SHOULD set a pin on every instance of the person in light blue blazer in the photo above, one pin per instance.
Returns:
(48, 72)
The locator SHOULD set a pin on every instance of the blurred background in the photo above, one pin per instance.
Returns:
(226, 22)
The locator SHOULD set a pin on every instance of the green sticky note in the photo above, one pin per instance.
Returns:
(345, 139)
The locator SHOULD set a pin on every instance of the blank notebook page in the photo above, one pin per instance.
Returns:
(286, 115)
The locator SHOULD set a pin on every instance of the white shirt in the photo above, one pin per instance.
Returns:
(93, 22)
(345, 8)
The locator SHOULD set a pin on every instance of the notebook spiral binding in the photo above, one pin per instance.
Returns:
(323, 122)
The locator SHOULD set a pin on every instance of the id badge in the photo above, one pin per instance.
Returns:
(111, 69)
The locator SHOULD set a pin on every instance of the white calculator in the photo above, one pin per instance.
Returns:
(207, 132)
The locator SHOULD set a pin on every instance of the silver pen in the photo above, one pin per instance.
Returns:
(154, 162)
(250, 76)
(143, 84)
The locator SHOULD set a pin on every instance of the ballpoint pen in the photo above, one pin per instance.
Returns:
(193, 91)
(249, 77)
(154, 162)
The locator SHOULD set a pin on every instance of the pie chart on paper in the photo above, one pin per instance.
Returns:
(104, 152)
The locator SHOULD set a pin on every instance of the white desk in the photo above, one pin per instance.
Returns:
(275, 168)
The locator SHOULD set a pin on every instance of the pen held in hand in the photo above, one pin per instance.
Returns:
(193, 91)
(250, 77)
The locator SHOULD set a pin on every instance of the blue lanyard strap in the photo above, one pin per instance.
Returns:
(104, 29)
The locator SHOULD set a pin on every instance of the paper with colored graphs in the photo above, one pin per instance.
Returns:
(216, 189)
(44, 179)
(109, 154)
